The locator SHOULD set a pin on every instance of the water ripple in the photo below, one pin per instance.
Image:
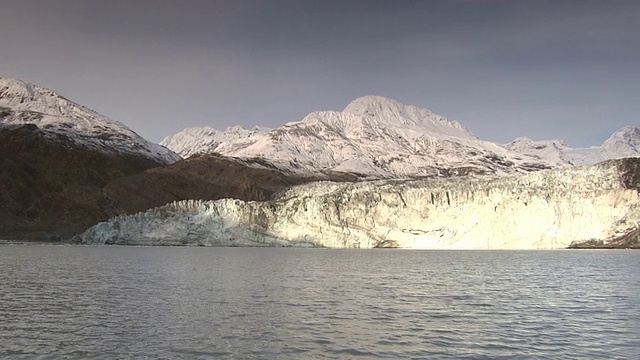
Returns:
(194, 303)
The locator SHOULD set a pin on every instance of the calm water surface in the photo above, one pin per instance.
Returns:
(142, 302)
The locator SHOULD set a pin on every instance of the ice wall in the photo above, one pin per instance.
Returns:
(541, 210)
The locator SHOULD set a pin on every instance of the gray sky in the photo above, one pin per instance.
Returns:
(542, 69)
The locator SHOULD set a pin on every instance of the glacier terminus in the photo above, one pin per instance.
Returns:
(549, 209)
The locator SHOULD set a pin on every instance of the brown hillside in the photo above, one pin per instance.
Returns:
(204, 177)
(50, 188)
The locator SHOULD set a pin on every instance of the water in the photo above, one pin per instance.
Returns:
(141, 302)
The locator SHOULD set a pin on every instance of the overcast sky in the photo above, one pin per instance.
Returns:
(542, 69)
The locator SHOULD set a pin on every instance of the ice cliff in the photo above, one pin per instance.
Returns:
(542, 210)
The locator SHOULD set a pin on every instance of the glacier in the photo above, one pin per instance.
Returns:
(548, 209)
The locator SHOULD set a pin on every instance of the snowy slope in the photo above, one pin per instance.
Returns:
(24, 103)
(541, 210)
(372, 137)
(196, 140)
(623, 143)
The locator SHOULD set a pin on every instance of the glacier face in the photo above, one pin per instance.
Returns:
(373, 137)
(24, 103)
(542, 210)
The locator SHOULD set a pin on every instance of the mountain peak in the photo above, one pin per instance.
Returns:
(25, 103)
(21, 95)
(373, 104)
(12, 90)
(395, 114)
(626, 139)
(630, 132)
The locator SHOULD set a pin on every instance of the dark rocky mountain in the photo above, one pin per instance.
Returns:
(51, 188)
(55, 158)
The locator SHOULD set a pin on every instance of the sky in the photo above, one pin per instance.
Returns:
(542, 69)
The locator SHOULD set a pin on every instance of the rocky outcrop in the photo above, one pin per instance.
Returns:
(630, 240)
(542, 210)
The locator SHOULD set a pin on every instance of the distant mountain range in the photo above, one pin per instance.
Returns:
(623, 143)
(64, 167)
(376, 137)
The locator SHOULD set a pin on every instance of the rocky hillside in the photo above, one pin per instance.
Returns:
(201, 177)
(50, 186)
(55, 158)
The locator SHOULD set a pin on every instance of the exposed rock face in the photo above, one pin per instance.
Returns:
(630, 240)
(50, 187)
(541, 210)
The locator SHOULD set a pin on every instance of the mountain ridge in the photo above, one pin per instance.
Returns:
(25, 103)
(624, 142)
(372, 137)
(375, 137)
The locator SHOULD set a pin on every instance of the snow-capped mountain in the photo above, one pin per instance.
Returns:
(24, 103)
(372, 137)
(623, 143)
